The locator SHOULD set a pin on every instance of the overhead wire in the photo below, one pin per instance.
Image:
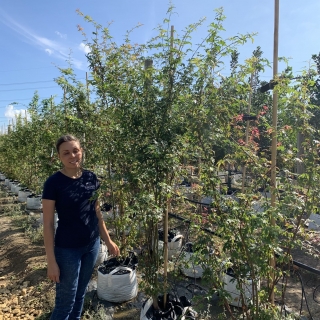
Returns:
(40, 81)
(29, 89)
(24, 99)
(20, 83)
(28, 69)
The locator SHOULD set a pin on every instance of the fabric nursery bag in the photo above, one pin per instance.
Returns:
(117, 284)
(176, 309)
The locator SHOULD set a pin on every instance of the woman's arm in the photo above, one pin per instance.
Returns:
(112, 247)
(48, 207)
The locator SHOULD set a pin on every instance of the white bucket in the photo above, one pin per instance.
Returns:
(6, 182)
(2, 177)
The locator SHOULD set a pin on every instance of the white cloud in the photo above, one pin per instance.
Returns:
(78, 64)
(84, 47)
(51, 47)
(62, 36)
(11, 112)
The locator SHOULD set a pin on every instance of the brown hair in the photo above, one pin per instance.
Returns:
(65, 138)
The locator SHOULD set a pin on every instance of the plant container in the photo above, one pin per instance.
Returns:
(34, 202)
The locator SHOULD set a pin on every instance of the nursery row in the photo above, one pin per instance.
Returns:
(158, 123)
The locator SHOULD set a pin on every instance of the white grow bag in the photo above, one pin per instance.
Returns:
(189, 268)
(148, 304)
(10, 182)
(22, 195)
(13, 187)
(145, 308)
(103, 254)
(236, 179)
(2, 177)
(174, 246)
(230, 285)
(314, 222)
(55, 220)
(117, 288)
(17, 189)
(34, 202)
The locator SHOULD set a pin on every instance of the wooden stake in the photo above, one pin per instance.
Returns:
(300, 165)
(274, 137)
(87, 85)
(147, 65)
(166, 213)
(247, 128)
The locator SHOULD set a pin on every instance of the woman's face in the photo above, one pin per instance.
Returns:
(70, 154)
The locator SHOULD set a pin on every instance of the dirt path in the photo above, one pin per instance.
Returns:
(25, 291)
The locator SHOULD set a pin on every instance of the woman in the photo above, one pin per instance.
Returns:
(72, 251)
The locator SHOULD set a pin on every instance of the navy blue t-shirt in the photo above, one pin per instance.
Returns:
(78, 223)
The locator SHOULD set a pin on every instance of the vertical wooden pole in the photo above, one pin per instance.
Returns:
(87, 85)
(51, 105)
(274, 137)
(148, 64)
(247, 128)
(300, 166)
(152, 227)
(166, 215)
(84, 134)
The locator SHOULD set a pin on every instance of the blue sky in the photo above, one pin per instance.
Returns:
(37, 36)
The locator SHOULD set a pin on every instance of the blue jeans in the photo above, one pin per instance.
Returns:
(76, 267)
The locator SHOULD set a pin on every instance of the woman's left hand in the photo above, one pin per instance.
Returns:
(113, 248)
